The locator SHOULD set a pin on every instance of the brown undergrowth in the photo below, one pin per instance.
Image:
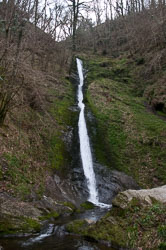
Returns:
(32, 139)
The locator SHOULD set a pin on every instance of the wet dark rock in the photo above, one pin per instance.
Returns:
(90, 239)
(68, 137)
(48, 205)
(110, 183)
(60, 189)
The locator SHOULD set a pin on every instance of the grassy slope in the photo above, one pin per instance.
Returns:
(32, 141)
(130, 138)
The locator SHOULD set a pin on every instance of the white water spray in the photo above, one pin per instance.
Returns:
(85, 150)
(39, 238)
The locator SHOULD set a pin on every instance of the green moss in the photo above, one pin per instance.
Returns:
(78, 211)
(161, 113)
(162, 246)
(23, 189)
(60, 109)
(6, 227)
(13, 225)
(30, 225)
(162, 231)
(70, 205)
(77, 226)
(57, 152)
(112, 233)
(87, 205)
(51, 215)
(61, 112)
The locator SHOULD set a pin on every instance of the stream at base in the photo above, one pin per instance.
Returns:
(55, 237)
(66, 242)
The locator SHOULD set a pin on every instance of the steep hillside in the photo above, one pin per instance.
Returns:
(131, 138)
(33, 138)
(138, 35)
(35, 154)
(36, 125)
(35, 98)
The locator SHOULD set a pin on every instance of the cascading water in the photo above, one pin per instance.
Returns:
(85, 150)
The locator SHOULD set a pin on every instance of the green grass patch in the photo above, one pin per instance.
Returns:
(65, 118)
(57, 152)
(37, 145)
(160, 113)
(135, 226)
(129, 138)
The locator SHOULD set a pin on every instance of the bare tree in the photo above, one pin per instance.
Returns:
(76, 6)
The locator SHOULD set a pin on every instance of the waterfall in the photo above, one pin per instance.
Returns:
(85, 150)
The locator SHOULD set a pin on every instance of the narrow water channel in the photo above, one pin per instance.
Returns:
(85, 150)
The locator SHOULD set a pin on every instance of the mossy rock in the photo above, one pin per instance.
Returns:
(70, 205)
(121, 201)
(77, 226)
(31, 225)
(87, 205)
(51, 215)
(14, 225)
(110, 229)
(6, 227)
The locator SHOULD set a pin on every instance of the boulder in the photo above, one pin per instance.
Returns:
(12, 207)
(146, 196)
(110, 183)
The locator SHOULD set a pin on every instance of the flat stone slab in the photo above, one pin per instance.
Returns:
(145, 195)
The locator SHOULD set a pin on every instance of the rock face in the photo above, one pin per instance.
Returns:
(147, 196)
(17, 216)
(61, 189)
(12, 207)
(110, 183)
